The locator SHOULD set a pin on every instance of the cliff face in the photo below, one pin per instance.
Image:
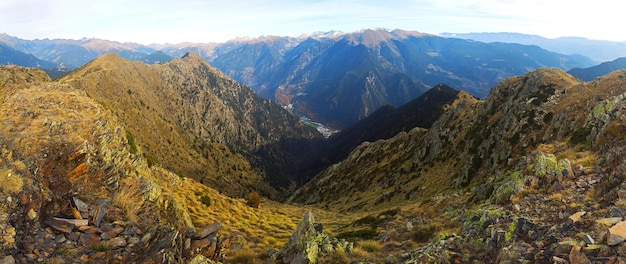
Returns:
(197, 122)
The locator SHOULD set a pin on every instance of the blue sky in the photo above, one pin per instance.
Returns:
(174, 21)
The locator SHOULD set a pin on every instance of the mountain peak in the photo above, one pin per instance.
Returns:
(192, 56)
(373, 37)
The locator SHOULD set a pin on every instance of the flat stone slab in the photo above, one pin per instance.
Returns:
(617, 234)
(76, 222)
(609, 221)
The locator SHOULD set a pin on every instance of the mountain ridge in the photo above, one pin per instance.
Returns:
(186, 102)
(391, 68)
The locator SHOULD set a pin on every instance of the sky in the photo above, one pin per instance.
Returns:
(175, 21)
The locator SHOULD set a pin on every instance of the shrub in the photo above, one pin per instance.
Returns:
(580, 135)
(152, 160)
(424, 234)
(359, 234)
(254, 199)
(371, 246)
(205, 200)
(102, 247)
(131, 142)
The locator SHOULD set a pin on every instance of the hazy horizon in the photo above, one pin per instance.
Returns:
(159, 22)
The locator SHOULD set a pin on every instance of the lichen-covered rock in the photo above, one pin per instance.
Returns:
(308, 243)
(303, 246)
(548, 167)
(506, 186)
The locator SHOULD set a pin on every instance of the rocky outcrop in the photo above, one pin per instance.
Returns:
(309, 243)
(72, 189)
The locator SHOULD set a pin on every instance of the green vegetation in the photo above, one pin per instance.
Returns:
(204, 199)
(152, 160)
(579, 136)
(102, 247)
(548, 117)
(254, 199)
(424, 234)
(131, 142)
(362, 234)
(371, 246)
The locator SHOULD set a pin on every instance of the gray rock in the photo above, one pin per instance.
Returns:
(100, 212)
(615, 212)
(80, 205)
(301, 247)
(588, 239)
(61, 226)
(207, 231)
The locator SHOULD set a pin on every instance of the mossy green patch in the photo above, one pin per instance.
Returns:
(507, 185)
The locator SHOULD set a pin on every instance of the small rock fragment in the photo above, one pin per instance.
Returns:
(576, 217)
(31, 214)
(118, 242)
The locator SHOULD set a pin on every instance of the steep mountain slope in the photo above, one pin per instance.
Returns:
(591, 73)
(472, 140)
(224, 135)
(529, 174)
(341, 79)
(597, 50)
(387, 122)
(10, 56)
(62, 154)
(157, 57)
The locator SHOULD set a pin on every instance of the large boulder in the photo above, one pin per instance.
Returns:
(309, 242)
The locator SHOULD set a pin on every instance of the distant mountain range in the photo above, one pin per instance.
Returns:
(340, 79)
(591, 73)
(11, 56)
(332, 77)
(598, 50)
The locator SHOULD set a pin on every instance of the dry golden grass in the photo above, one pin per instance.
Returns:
(579, 156)
(270, 225)
(129, 200)
(359, 254)
(243, 257)
(10, 182)
(620, 202)
(556, 197)
(338, 257)
(371, 246)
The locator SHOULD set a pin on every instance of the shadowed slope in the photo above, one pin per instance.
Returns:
(213, 124)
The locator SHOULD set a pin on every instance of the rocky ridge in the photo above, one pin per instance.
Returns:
(74, 190)
(531, 174)
(225, 136)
